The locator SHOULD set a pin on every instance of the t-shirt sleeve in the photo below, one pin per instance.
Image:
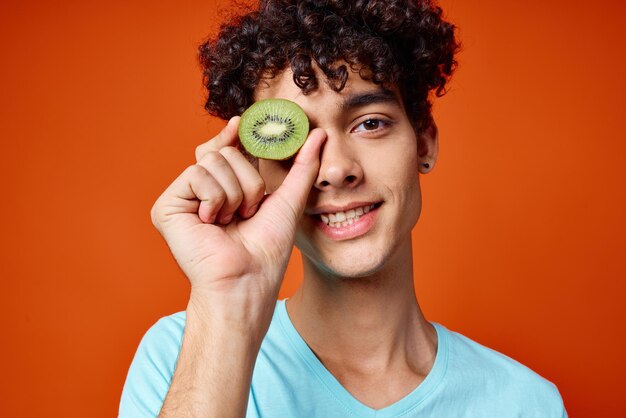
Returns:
(152, 368)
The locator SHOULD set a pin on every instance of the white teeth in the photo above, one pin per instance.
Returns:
(336, 220)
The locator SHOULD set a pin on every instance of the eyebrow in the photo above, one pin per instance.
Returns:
(371, 97)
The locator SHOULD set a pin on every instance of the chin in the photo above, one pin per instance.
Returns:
(349, 265)
(352, 271)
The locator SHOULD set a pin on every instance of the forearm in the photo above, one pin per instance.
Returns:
(214, 370)
(235, 265)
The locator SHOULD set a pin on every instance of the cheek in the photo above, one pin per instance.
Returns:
(403, 181)
(273, 173)
(398, 168)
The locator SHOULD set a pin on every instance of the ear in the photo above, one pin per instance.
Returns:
(428, 148)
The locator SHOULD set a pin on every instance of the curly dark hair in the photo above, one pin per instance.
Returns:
(405, 43)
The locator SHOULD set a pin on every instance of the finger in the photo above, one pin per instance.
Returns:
(195, 191)
(223, 173)
(296, 186)
(250, 181)
(227, 137)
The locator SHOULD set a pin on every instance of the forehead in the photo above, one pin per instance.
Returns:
(356, 93)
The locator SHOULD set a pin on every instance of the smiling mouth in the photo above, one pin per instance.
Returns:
(348, 217)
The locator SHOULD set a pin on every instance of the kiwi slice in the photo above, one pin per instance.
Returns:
(273, 129)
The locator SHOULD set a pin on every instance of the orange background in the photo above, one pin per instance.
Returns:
(521, 244)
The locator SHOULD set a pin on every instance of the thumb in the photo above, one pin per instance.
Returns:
(296, 186)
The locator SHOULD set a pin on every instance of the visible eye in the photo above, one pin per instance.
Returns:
(371, 125)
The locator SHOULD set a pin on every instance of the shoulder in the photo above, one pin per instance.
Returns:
(490, 374)
(161, 343)
(169, 328)
(152, 368)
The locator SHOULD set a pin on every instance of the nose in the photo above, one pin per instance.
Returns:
(339, 166)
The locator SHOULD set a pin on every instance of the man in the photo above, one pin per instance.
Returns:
(352, 340)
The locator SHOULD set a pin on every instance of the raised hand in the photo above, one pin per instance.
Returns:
(228, 238)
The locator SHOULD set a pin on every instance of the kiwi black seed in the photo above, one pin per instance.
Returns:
(273, 129)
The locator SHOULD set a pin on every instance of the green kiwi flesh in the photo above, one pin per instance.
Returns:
(273, 129)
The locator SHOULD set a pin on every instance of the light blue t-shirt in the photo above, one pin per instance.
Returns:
(467, 380)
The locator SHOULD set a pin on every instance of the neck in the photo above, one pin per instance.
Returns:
(365, 324)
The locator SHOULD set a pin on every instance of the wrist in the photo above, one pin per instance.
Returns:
(239, 319)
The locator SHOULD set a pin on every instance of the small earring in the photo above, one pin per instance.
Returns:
(426, 165)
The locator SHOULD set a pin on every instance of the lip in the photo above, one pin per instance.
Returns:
(359, 228)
